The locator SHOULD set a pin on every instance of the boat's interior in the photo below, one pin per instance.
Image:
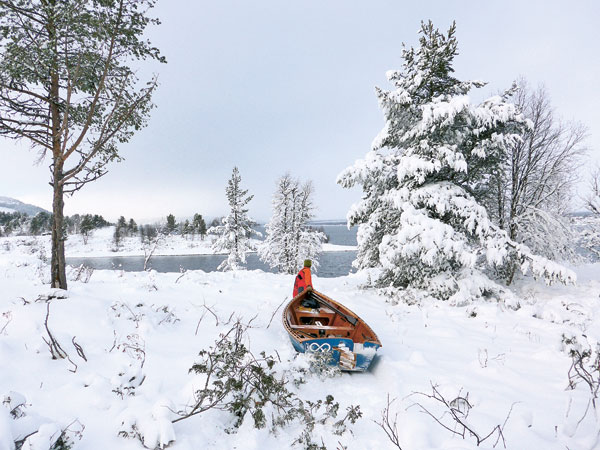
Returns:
(329, 319)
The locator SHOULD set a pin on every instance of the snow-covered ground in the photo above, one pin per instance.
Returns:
(510, 364)
(101, 243)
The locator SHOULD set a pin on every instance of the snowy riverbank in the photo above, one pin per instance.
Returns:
(510, 363)
(101, 244)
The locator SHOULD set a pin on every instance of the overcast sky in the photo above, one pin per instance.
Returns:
(288, 86)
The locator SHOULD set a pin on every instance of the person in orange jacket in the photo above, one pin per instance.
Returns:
(303, 279)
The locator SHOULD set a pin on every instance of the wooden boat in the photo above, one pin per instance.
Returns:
(327, 326)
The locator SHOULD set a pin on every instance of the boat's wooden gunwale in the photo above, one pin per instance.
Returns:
(302, 333)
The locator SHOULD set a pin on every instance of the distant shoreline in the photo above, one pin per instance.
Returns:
(331, 248)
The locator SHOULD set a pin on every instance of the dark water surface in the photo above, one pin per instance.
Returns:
(331, 264)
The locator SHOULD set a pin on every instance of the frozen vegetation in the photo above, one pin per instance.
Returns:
(476, 353)
(131, 339)
(101, 243)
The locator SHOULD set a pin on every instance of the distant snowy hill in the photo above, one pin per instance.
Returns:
(10, 205)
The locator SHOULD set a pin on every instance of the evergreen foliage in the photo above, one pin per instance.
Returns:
(12, 222)
(252, 388)
(186, 229)
(235, 229)
(87, 223)
(420, 219)
(86, 227)
(171, 224)
(122, 229)
(199, 225)
(289, 239)
(148, 233)
(122, 223)
(117, 237)
(132, 227)
(67, 87)
(40, 223)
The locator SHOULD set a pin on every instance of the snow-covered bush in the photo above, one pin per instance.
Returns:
(585, 365)
(420, 219)
(153, 427)
(22, 431)
(251, 387)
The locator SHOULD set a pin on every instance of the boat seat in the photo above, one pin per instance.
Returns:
(322, 327)
(321, 310)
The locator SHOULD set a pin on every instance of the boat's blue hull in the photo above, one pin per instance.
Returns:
(364, 353)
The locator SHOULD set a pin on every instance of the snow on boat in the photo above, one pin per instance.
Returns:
(317, 323)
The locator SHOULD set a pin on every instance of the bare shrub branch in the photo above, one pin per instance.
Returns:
(150, 247)
(592, 200)
(275, 312)
(56, 350)
(585, 367)
(8, 316)
(388, 426)
(458, 410)
(79, 349)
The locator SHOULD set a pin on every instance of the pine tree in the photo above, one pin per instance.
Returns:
(233, 234)
(186, 229)
(122, 223)
(289, 239)
(199, 225)
(67, 87)
(132, 227)
(86, 227)
(99, 221)
(419, 219)
(117, 238)
(202, 228)
(40, 223)
(171, 224)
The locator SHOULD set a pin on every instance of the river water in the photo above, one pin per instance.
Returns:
(331, 264)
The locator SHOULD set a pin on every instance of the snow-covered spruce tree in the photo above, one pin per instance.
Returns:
(420, 220)
(233, 235)
(289, 239)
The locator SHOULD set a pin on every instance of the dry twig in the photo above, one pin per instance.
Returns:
(56, 350)
(79, 349)
(390, 428)
(459, 409)
(275, 312)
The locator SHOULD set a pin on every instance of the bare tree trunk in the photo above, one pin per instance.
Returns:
(57, 265)
(512, 264)
(58, 277)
